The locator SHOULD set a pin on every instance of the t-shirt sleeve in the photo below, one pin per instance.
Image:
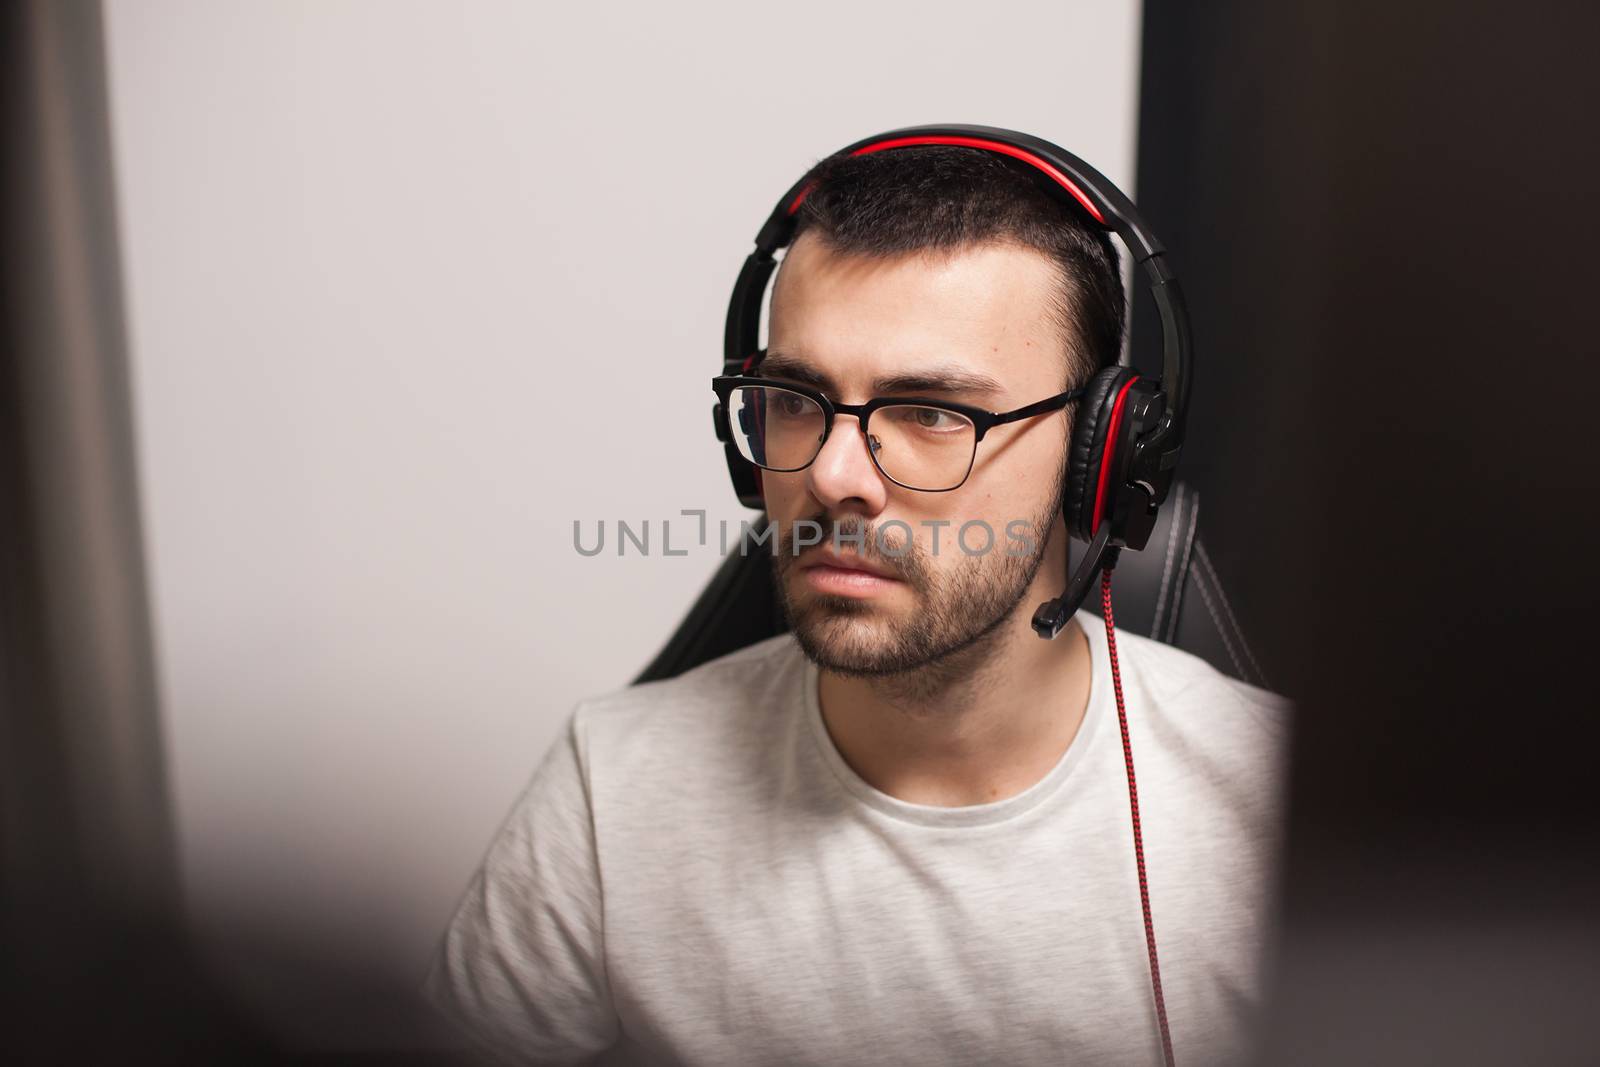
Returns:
(522, 968)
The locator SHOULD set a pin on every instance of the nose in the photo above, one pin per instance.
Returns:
(843, 476)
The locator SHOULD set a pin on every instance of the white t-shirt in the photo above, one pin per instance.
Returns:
(695, 876)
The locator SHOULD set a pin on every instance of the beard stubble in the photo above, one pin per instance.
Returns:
(958, 613)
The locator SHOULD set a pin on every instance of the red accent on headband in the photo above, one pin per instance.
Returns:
(1108, 453)
(794, 205)
(1050, 169)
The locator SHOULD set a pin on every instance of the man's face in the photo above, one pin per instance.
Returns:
(974, 327)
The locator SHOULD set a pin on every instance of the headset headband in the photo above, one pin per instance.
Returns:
(1081, 184)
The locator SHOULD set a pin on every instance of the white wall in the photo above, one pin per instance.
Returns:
(379, 256)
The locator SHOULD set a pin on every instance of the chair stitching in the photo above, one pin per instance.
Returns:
(1166, 566)
(1205, 560)
(1183, 567)
(1222, 630)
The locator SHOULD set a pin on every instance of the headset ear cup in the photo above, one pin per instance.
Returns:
(745, 475)
(746, 478)
(1089, 447)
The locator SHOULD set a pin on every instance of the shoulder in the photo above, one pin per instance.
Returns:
(714, 715)
(1199, 713)
(704, 692)
(625, 759)
(1177, 675)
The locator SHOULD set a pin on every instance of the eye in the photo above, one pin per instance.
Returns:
(932, 419)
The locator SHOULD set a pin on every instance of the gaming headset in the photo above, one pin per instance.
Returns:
(1129, 429)
(1125, 441)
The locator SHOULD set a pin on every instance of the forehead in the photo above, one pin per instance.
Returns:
(989, 309)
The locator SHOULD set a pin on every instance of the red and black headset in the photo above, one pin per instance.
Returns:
(1129, 430)
(1126, 439)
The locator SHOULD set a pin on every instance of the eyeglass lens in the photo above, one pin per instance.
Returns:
(916, 446)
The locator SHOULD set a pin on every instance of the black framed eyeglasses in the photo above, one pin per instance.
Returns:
(926, 445)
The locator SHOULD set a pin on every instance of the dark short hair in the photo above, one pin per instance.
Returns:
(907, 200)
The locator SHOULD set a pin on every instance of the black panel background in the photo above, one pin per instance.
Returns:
(1383, 217)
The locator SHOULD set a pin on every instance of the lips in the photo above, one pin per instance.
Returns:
(846, 562)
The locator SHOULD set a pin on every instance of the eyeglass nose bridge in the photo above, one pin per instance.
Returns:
(863, 415)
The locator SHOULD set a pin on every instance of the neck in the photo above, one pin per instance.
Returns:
(979, 726)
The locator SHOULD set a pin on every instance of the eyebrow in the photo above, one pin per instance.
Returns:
(948, 379)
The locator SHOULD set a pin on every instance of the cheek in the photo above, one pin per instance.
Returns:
(939, 533)
(786, 495)
(1017, 493)
(994, 501)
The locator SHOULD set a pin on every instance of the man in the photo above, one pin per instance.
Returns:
(900, 834)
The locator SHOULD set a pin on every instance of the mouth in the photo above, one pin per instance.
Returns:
(844, 561)
(846, 574)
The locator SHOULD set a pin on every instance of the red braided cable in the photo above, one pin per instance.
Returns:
(1133, 804)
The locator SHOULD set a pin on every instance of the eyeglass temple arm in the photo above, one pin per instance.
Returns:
(1053, 403)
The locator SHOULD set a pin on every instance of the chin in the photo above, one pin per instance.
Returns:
(845, 636)
(838, 618)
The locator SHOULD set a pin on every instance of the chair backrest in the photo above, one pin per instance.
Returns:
(1169, 592)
